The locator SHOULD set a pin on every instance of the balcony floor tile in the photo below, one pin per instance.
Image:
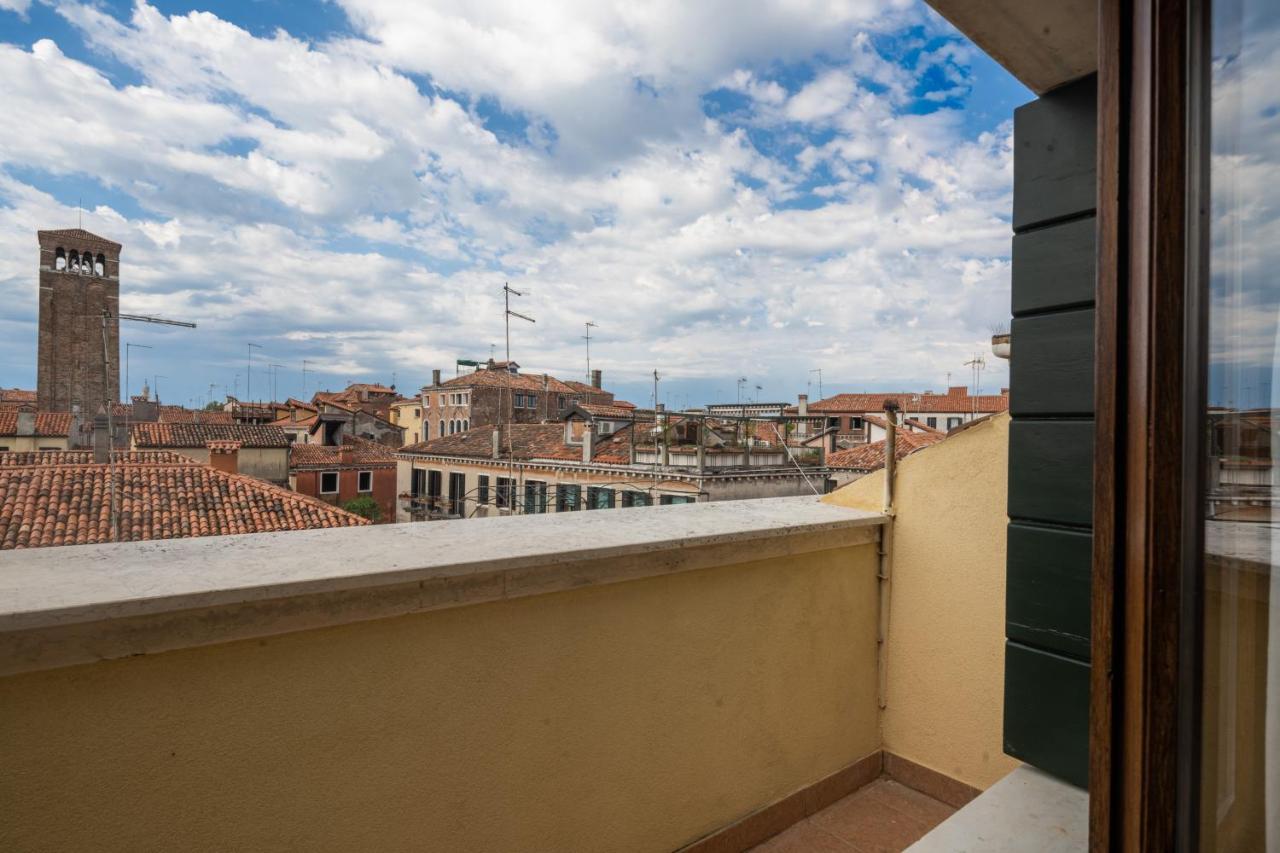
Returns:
(882, 817)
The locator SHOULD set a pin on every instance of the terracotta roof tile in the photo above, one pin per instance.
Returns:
(525, 442)
(146, 435)
(47, 503)
(47, 423)
(365, 454)
(955, 400)
(870, 457)
(27, 458)
(505, 379)
(181, 415)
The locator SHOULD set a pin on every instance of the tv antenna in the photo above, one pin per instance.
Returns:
(107, 316)
(248, 377)
(305, 362)
(818, 370)
(275, 374)
(587, 337)
(507, 290)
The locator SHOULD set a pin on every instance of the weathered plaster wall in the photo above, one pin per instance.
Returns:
(634, 716)
(946, 626)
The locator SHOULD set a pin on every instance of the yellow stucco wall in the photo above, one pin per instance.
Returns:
(632, 716)
(946, 626)
(33, 442)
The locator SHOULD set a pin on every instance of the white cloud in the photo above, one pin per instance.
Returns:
(316, 198)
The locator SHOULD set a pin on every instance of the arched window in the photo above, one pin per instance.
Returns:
(466, 425)
(441, 435)
(100, 265)
(60, 259)
(73, 262)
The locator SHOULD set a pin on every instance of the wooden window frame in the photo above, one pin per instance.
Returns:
(1149, 402)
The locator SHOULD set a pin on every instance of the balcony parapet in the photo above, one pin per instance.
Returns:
(79, 604)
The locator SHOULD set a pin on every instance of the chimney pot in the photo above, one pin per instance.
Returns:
(101, 437)
(597, 379)
(588, 441)
(26, 422)
(804, 405)
(435, 378)
(224, 455)
(346, 454)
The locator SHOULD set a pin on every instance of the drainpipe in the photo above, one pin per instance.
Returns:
(885, 572)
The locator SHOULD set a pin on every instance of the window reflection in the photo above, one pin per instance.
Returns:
(1240, 787)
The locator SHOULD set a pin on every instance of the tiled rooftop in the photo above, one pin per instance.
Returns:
(149, 435)
(870, 457)
(365, 454)
(526, 442)
(47, 423)
(49, 502)
(882, 817)
(955, 400)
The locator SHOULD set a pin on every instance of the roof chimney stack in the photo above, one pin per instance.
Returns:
(596, 379)
(101, 437)
(588, 441)
(435, 378)
(804, 405)
(224, 455)
(26, 422)
(346, 454)
(497, 442)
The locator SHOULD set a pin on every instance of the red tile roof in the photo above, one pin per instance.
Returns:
(181, 415)
(47, 423)
(524, 442)
(365, 454)
(955, 400)
(495, 378)
(79, 235)
(27, 458)
(870, 457)
(146, 435)
(601, 410)
(48, 503)
(17, 397)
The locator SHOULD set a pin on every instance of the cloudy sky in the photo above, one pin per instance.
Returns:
(728, 190)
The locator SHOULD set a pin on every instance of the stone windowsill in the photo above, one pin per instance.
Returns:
(77, 604)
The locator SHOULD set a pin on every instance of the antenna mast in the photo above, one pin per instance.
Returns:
(507, 290)
(587, 338)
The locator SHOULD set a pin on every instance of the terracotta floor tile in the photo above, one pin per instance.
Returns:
(865, 821)
(805, 837)
(910, 802)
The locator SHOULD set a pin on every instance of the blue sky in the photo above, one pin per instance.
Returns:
(728, 192)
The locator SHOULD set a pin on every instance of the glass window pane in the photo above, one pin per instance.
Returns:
(1240, 767)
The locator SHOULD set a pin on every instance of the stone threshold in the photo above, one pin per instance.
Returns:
(77, 604)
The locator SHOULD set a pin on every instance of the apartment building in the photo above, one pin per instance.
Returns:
(497, 392)
(336, 474)
(596, 457)
(848, 413)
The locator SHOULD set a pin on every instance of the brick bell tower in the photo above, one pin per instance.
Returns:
(79, 280)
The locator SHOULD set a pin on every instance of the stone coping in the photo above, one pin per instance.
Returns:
(81, 603)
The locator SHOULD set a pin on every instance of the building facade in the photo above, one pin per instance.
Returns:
(354, 469)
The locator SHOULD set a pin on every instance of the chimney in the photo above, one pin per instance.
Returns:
(346, 454)
(224, 455)
(497, 442)
(26, 422)
(101, 437)
(958, 391)
(596, 381)
(804, 405)
(75, 435)
(435, 378)
(588, 441)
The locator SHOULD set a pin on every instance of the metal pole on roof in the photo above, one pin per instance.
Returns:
(587, 337)
(127, 348)
(507, 290)
(248, 376)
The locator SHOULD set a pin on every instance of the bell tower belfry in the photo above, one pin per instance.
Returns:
(79, 281)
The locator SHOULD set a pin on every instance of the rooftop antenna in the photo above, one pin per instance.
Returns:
(79, 213)
(818, 370)
(507, 290)
(109, 405)
(248, 376)
(275, 374)
(128, 347)
(741, 381)
(155, 383)
(213, 386)
(976, 364)
(587, 337)
(304, 377)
